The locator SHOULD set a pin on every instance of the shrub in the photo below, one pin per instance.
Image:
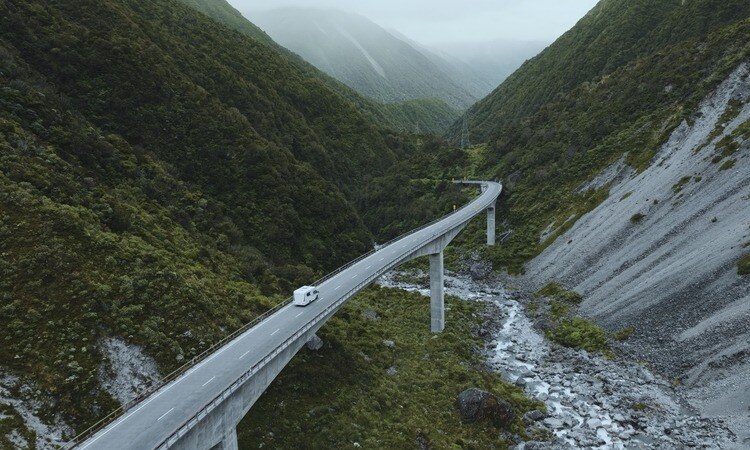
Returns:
(743, 267)
(727, 165)
(637, 218)
(557, 292)
(680, 184)
(582, 333)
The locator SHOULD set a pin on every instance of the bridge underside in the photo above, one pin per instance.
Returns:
(217, 429)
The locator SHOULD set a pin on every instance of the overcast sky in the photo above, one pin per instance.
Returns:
(437, 21)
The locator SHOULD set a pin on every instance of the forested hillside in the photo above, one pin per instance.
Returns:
(363, 55)
(426, 114)
(612, 34)
(158, 172)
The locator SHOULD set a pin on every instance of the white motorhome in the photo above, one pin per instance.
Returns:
(305, 295)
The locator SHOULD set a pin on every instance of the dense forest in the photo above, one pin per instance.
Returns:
(167, 173)
(610, 36)
(160, 168)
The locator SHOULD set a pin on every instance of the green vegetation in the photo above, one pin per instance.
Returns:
(743, 266)
(582, 333)
(223, 12)
(304, 408)
(626, 196)
(639, 406)
(10, 422)
(624, 334)
(614, 34)
(424, 115)
(575, 332)
(643, 70)
(677, 188)
(163, 179)
(728, 165)
(557, 292)
(637, 218)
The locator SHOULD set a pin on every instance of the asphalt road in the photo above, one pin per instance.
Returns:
(147, 424)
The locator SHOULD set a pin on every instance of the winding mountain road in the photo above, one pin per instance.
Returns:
(150, 423)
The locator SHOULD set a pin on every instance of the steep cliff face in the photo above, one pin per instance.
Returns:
(661, 254)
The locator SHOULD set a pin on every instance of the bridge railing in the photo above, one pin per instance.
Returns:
(188, 424)
(114, 415)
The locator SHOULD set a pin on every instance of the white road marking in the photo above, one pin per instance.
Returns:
(163, 415)
(381, 259)
(275, 332)
(244, 354)
(194, 369)
(299, 314)
(337, 287)
(367, 267)
(212, 379)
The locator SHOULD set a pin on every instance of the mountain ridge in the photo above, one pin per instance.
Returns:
(361, 54)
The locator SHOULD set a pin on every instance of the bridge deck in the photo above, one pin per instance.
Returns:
(149, 423)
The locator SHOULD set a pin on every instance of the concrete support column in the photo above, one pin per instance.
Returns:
(437, 294)
(229, 442)
(491, 225)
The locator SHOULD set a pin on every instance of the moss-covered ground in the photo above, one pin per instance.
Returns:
(343, 393)
(743, 266)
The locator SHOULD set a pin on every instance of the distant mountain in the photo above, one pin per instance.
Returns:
(426, 114)
(491, 61)
(365, 56)
(612, 34)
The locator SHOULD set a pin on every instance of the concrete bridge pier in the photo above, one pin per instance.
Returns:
(229, 442)
(491, 225)
(437, 293)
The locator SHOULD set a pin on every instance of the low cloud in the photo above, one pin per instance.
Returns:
(434, 21)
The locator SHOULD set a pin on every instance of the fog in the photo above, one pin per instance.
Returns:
(441, 21)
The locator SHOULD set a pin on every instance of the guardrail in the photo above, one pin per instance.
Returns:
(188, 424)
(177, 373)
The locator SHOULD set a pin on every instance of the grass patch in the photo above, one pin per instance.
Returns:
(578, 332)
(728, 165)
(558, 310)
(626, 196)
(637, 218)
(640, 406)
(342, 393)
(743, 266)
(557, 292)
(680, 184)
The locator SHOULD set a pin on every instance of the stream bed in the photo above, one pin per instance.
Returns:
(592, 402)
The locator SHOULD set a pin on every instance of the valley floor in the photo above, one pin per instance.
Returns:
(592, 401)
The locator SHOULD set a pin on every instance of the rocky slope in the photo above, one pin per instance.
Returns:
(591, 401)
(661, 255)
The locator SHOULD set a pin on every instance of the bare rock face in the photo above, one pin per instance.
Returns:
(480, 270)
(475, 404)
(315, 343)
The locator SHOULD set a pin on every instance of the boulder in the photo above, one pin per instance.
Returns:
(475, 405)
(315, 343)
(389, 343)
(372, 315)
(392, 371)
(480, 270)
(533, 416)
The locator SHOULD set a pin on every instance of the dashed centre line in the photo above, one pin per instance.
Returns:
(165, 414)
(212, 379)
(277, 330)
